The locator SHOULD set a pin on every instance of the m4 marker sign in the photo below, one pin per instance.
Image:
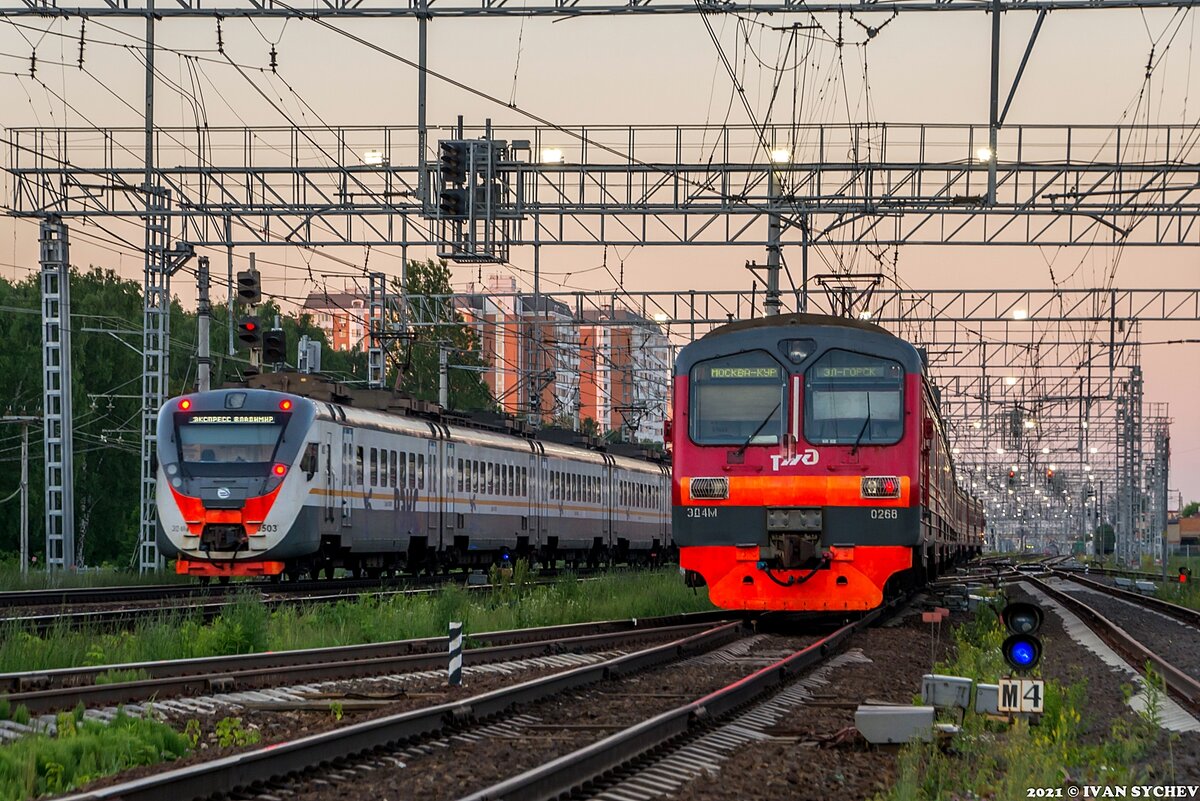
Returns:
(1022, 695)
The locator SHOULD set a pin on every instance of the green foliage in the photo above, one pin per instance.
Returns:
(248, 626)
(81, 751)
(1191, 509)
(21, 715)
(335, 709)
(230, 732)
(467, 390)
(119, 676)
(192, 732)
(993, 759)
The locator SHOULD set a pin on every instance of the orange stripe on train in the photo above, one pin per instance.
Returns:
(798, 491)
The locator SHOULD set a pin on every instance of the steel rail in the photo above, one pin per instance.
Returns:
(244, 770)
(248, 671)
(1180, 613)
(210, 610)
(585, 766)
(67, 596)
(1179, 684)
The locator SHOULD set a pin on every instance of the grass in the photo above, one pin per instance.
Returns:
(993, 760)
(246, 626)
(83, 750)
(40, 579)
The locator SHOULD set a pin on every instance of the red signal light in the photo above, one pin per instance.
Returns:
(279, 469)
(249, 325)
(285, 404)
(185, 404)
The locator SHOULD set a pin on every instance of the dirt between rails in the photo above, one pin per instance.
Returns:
(274, 727)
(813, 763)
(564, 724)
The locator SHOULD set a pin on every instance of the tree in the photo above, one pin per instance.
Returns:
(1191, 510)
(425, 287)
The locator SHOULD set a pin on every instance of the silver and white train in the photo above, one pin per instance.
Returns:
(262, 482)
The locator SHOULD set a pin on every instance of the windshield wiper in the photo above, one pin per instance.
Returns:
(862, 430)
(758, 430)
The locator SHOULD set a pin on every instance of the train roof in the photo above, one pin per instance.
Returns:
(796, 319)
(831, 333)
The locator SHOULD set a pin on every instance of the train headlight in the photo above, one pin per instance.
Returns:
(171, 469)
(185, 404)
(279, 470)
(880, 487)
(797, 350)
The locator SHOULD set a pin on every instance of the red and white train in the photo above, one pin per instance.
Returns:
(263, 482)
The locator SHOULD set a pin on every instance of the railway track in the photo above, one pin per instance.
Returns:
(79, 596)
(344, 748)
(1140, 645)
(49, 691)
(268, 595)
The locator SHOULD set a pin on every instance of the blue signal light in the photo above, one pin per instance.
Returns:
(1022, 654)
(504, 556)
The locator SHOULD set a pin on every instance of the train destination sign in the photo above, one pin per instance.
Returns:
(229, 418)
(874, 371)
(719, 373)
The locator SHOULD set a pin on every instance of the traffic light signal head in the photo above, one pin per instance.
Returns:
(274, 347)
(453, 162)
(1022, 650)
(452, 203)
(1185, 575)
(249, 332)
(249, 288)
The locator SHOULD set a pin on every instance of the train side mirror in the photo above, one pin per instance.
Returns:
(668, 431)
(308, 463)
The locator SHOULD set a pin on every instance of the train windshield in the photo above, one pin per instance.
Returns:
(229, 439)
(853, 399)
(737, 400)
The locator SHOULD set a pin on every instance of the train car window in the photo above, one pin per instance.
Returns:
(461, 476)
(373, 461)
(522, 488)
(393, 473)
(358, 466)
(412, 470)
(738, 400)
(421, 471)
(505, 488)
(403, 469)
(490, 480)
(853, 398)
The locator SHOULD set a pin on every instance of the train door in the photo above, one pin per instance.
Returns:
(664, 505)
(449, 491)
(346, 490)
(532, 516)
(431, 492)
(609, 488)
(330, 479)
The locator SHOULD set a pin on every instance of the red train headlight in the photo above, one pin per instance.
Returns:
(185, 404)
(880, 487)
(279, 470)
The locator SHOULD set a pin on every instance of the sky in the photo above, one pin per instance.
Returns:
(1087, 67)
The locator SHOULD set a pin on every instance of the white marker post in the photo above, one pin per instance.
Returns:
(456, 645)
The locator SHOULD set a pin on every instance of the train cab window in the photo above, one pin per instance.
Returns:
(393, 474)
(738, 400)
(208, 441)
(853, 398)
(421, 470)
(309, 464)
